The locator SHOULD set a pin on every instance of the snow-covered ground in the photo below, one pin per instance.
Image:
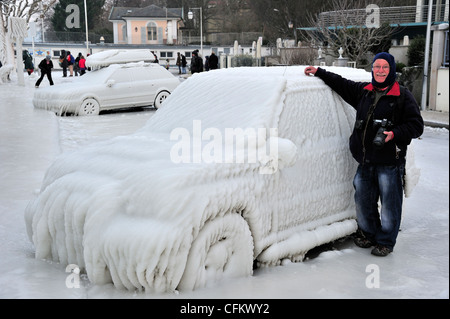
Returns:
(30, 139)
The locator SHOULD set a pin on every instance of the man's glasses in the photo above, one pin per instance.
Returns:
(385, 68)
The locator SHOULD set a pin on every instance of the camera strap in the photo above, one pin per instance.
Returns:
(377, 98)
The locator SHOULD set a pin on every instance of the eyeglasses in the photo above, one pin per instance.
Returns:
(385, 67)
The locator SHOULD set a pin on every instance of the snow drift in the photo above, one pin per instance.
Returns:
(169, 207)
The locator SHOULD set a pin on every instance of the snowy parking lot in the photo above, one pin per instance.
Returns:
(30, 139)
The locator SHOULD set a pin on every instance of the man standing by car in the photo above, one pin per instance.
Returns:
(388, 119)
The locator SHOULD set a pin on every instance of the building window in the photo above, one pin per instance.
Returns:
(166, 54)
(152, 31)
(124, 32)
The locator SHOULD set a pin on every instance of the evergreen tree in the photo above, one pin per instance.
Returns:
(94, 8)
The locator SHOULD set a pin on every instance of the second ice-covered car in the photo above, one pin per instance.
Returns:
(116, 86)
(241, 165)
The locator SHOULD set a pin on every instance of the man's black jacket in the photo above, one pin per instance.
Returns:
(407, 120)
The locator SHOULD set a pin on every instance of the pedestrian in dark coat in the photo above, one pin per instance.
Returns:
(207, 67)
(179, 62)
(196, 63)
(28, 62)
(388, 118)
(76, 66)
(213, 61)
(46, 67)
(183, 64)
(63, 62)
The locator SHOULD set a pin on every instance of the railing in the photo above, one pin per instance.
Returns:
(391, 15)
(72, 37)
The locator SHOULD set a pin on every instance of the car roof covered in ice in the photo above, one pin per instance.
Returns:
(239, 97)
(109, 57)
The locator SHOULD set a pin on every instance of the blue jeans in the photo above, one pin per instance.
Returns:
(373, 183)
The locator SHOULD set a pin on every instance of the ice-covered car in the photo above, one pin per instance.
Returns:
(242, 166)
(115, 86)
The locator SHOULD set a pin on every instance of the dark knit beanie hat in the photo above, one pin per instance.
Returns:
(391, 78)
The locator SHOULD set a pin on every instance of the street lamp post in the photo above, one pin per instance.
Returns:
(191, 16)
(424, 102)
(87, 31)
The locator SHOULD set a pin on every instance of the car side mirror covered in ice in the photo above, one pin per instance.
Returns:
(110, 83)
(280, 154)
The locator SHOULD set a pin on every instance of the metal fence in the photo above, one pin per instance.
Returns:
(244, 38)
(73, 37)
(391, 15)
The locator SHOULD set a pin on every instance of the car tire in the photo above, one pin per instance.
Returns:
(160, 98)
(89, 107)
(223, 249)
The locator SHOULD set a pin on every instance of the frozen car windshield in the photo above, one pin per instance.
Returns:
(99, 76)
(222, 102)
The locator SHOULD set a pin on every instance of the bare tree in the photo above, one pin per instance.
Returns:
(280, 18)
(25, 9)
(349, 25)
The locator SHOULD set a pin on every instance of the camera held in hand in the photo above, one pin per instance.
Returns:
(380, 137)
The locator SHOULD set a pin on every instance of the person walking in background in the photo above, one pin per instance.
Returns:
(179, 62)
(28, 62)
(63, 62)
(206, 63)
(388, 118)
(183, 64)
(82, 65)
(46, 67)
(196, 63)
(213, 61)
(70, 62)
(156, 58)
(76, 66)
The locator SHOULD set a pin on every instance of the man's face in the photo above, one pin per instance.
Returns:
(381, 69)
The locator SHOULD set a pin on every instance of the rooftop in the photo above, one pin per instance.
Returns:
(121, 13)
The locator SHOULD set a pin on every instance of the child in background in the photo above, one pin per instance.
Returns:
(82, 65)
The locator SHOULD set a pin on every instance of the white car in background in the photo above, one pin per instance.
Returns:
(115, 86)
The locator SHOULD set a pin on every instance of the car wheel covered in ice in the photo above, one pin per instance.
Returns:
(89, 107)
(241, 166)
(223, 249)
(160, 98)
